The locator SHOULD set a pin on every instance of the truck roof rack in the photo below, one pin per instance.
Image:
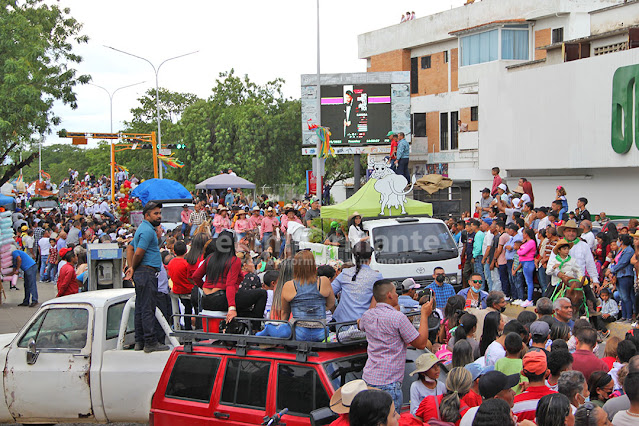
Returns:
(401, 218)
(346, 335)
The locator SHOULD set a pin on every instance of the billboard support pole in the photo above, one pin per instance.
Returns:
(318, 184)
(357, 172)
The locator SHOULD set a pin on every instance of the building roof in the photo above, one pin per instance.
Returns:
(607, 34)
(487, 25)
(614, 6)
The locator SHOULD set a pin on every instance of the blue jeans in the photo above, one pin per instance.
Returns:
(43, 267)
(625, 286)
(488, 278)
(109, 215)
(51, 271)
(185, 226)
(283, 331)
(267, 236)
(478, 268)
(529, 270)
(505, 279)
(146, 289)
(193, 228)
(402, 169)
(543, 279)
(517, 288)
(30, 285)
(395, 391)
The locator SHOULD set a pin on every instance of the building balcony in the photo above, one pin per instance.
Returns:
(468, 140)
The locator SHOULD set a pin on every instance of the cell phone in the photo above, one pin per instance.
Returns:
(425, 295)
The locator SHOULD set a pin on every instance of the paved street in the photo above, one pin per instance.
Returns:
(12, 316)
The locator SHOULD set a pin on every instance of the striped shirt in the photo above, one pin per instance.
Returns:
(526, 402)
(388, 332)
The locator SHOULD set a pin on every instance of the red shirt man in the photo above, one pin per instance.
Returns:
(67, 281)
(178, 270)
(535, 368)
(584, 359)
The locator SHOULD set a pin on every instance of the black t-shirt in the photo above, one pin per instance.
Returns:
(584, 215)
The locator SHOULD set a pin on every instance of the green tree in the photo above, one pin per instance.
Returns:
(36, 63)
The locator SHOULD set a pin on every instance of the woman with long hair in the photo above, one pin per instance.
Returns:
(223, 270)
(527, 253)
(195, 255)
(355, 285)
(451, 408)
(306, 297)
(462, 354)
(601, 387)
(453, 310)
(465, 331)
(356, 233)
(492, 324)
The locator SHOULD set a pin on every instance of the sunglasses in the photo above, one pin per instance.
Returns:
(478, 281)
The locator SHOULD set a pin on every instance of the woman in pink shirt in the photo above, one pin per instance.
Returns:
(241, 224)
(221, 220)
(527, 253)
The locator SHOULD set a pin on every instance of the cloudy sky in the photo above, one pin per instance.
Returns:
(264, 39)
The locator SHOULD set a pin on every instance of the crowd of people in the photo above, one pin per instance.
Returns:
(231, 254)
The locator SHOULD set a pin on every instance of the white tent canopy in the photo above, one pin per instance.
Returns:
(224, 181)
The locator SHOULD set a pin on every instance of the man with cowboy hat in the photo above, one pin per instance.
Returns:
(342, 399)
(561, 266)
(221, 220)
(580, 251)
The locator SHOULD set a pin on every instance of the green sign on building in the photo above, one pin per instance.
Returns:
(625, 108)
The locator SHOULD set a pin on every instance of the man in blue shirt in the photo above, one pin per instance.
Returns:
(403, 153)
(479, 229)
(442, 289)
(22, 260)
(229, 198)
(144, 264)
(407, 301)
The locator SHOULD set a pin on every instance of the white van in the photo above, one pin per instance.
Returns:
(411, 247)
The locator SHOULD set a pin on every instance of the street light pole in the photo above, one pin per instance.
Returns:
(157, 88)
(111, 94)
(319, 190)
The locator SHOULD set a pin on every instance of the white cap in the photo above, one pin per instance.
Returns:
(409, 284)
(503, 186)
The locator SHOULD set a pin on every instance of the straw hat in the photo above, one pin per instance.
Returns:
(570, 224)
(560, 244)
(343, 397)
(519, 190)
(354, 214)
(242, 211)
(424, 362)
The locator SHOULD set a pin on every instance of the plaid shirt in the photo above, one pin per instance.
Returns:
(53, 255)
(442, 293)
(389, 332)
(197, 218)
(37, 233)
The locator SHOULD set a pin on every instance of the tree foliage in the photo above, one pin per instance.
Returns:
(36, 60)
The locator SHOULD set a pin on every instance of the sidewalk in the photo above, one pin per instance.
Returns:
(12, 316)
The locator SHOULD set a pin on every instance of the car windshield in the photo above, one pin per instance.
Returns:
(45, 204)
(343, 370)
(171, 214)
(413, 242)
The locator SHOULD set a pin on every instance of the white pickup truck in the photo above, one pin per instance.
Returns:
(73, 362)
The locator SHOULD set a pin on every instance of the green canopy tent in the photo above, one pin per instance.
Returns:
(366, 202)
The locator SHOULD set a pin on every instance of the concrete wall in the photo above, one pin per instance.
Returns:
(436, 28)
(554, 117)
(612, 19)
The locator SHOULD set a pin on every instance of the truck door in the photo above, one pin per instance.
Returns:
(56, 386)
(301, 390)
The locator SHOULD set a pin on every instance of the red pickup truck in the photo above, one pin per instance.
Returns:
(216, 383)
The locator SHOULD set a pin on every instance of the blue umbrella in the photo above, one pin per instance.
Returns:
(160, 189)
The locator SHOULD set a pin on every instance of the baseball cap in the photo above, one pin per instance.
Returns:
(535, 363)
(493, 382)
(503, 186)
(409, 284)
(539, 328)
(229, 189)
(424, 362)
(390, 133)
(477, 370)
(485, 190)
(64, 251)
(150, 206)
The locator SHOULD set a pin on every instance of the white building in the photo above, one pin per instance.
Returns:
(533, 81)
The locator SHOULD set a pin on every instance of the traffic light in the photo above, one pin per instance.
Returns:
(145, 146)
(176, 146)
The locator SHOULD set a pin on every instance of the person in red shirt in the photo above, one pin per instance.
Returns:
(178, 270)
(449, 407)
(393, 151)
(535, 368)
(223, 270)
(584, 359)
(67, 281)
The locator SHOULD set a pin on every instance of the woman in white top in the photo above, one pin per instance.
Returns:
(356, 233)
